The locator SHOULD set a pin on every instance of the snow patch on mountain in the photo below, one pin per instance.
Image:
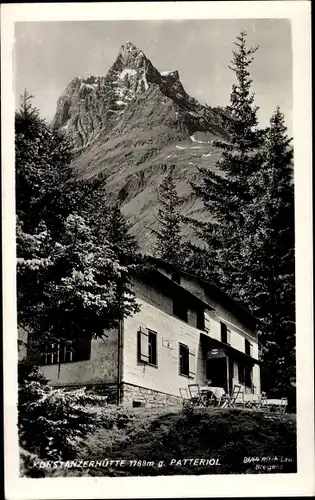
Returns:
(192, 137)
(144, 78)
(88, 85)
(126, 73)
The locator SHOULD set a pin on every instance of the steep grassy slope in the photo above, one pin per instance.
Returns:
(136, 158)
(236, 442)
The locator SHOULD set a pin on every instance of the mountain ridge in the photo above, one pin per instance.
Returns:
(131, 124)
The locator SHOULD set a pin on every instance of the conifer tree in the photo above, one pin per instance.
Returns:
(169, 240)
(227, 191)
(250, 232)
(42, 160)
(71, 282)
(113, 227)
(271, 219)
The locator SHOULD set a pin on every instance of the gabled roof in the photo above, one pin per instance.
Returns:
(171, 284)
(216, 293)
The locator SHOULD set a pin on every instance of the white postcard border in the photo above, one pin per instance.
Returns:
(301, 483)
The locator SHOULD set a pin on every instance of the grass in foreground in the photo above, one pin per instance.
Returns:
(236, 441)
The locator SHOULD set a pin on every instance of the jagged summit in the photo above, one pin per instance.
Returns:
(130, 49)
(130, 124)
(130, 54)
(96, 104)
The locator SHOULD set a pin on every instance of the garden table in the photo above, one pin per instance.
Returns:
(208, 390)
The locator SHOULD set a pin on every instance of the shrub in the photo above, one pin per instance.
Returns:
(188, 410)
(54, 422)
(27, 460)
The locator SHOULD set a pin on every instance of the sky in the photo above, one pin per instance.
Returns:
(48, 55)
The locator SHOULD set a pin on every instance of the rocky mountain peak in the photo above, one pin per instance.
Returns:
(128, 51)
(133, 68)
(130, 124)
(96, 104)
(130, 56)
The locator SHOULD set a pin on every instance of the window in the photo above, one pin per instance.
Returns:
(62, 351)
(200, 320)
(248, 376)
(241, 375)
(186, 361)
(225, 334)
(176, 277)
(147, 346)
(245, 375)
(183, 360)
(52, 354)
(247, 347)
(180, 310)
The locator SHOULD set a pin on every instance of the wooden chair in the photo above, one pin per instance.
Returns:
(255, 401)
(277, 405)
(230, 401)
(250, 401)
(238, 396)
(262, 402)
(184, 393)
(185, 396)
(284, 404)
(196, 398)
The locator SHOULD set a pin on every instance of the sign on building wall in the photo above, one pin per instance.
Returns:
(216, 353)
(167, 343)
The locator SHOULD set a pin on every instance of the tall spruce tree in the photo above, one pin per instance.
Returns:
(227, 191)
(250, 232)
(113, 227)
(169, 241)
(271, 223)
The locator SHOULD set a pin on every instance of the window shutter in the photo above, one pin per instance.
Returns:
(201, 319)
(207, 322)
(143, 344)
(192, 358)
(247, 347)
(228, 336)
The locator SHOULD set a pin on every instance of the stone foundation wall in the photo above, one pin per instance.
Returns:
(109, 390)
(133, 395)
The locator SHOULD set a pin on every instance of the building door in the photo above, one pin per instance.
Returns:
(217, 372)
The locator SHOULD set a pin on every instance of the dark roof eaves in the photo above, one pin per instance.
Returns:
(241, 308)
